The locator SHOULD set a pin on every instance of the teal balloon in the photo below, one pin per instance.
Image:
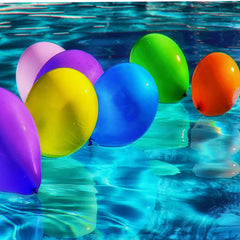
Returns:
(128, 99)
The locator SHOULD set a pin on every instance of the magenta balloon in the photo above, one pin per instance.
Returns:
(30, 63)
(76, 59)
(20, 155)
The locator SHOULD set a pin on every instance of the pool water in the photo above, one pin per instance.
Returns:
(180, 180)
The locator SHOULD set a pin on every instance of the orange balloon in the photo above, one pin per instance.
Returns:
(215, 84)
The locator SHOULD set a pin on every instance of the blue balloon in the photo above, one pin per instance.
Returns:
(128, 100)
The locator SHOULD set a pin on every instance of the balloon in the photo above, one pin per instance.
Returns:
(76, 59)
(215, 84)
(20, 159)
(30, 63)
(165, 61)
(128, 100)
(64, 105)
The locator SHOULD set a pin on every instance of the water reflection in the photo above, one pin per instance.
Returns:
(169, 129)
(215, 140)
(126, 188)
(216, 169)
(194, 200)
(160, 168)
(68, 197)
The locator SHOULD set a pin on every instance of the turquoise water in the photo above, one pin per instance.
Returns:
(180, 180)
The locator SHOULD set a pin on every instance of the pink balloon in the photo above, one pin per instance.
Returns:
(30, 63)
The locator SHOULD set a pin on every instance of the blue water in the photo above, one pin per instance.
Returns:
(180, 180)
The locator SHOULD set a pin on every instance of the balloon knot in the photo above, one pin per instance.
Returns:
(185, 94)
(90, 142)
(35, 190)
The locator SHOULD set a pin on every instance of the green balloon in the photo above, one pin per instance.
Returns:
(165, 61)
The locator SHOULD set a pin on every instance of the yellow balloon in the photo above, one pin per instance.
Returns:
(64, 106)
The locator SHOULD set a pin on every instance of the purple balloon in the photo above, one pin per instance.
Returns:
(76, 59)
(20, 155)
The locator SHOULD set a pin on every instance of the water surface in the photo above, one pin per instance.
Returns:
(180, 180)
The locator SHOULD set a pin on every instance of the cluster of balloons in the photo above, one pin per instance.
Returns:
(68, 99)
(215, 82)
(71, 100)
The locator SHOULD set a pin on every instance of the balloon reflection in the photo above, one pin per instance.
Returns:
(221, 169)
(169, 129)
(125, 188)
(215, 140)
(68, 196)
(160, 168)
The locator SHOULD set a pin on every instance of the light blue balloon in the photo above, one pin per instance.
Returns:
(128, 100)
